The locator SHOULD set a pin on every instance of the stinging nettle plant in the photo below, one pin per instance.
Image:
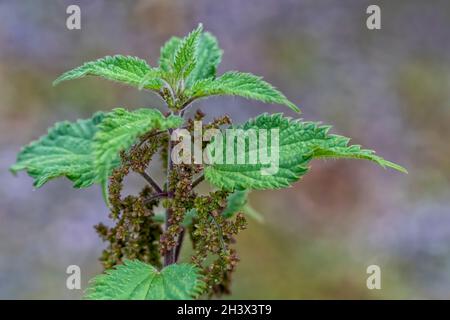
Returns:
(141, 259)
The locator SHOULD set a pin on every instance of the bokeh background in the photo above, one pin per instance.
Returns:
(389, 89)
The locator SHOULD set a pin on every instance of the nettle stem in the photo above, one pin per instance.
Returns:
(169, 256)
(152, 182)
(198, 181)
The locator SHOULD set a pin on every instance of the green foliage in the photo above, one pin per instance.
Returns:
(167, 55)
(87, 151)
(185, 55)
(135, 280)
(124, 69)
(337, 147)
(67, 150)
(187, 67)
(240, 84)
(299, 142)
(119, 131)
(208, 56)
(151, 80)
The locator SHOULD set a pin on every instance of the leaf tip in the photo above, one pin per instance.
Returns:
(199, 27)
(295, 108)
(397, 167)
(14, 169)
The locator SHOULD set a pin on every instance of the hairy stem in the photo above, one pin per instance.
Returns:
(148, 136)
(152, 182)
(198, 181)
(186, 105)
(157, 196)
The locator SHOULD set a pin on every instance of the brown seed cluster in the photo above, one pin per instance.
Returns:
(137, 235)
(216, 123)
(212, 236)
(180, 201)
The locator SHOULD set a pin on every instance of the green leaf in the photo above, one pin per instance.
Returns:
(152, 80)
(124, 69)
(135, 280)
(293, 157)
(207, 56)
(119, 131)
(298, 143)
(167, 56)
(67, 150)
(240, 84)
(336, 147)
(184, 60)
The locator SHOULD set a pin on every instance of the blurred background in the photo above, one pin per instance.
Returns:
(388, 89)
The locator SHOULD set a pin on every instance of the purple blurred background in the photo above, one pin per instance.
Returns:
(389, 89)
